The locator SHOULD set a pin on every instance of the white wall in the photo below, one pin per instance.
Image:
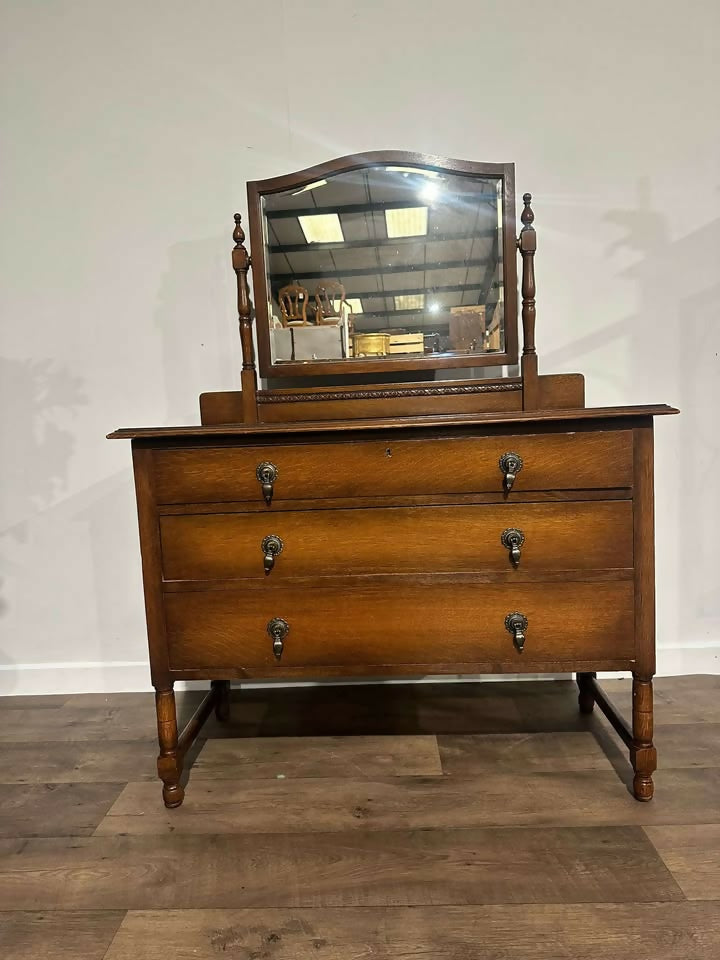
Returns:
(129, 131)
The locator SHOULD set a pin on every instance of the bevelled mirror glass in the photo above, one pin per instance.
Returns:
(386, 264)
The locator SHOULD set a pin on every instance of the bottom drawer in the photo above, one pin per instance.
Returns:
(377, 622)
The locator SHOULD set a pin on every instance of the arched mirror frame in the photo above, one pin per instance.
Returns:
(258, 189)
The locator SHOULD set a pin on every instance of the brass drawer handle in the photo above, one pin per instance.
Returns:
(278, 630)
(511, 464)
(271, 547)
(267, 475)
(512, 539)
(517, 624)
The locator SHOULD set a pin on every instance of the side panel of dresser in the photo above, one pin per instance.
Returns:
(173, 743)
(642, 751)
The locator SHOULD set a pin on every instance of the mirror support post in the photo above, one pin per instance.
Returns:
(248, 376)
(527, 244)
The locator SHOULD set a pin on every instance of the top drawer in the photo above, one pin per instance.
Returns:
(374, 468)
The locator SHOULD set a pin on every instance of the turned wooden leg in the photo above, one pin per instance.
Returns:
(170, 760)
(586, 698)
(222, 699)
(642, 752)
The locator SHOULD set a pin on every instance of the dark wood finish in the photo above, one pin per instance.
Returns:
(170, 758)
(399, 540)
(367, 519)
(335, 622)
(392, 561)
(570, 461)
(527, 244)
(402, 401)
(557, 392)
(410, 424)
(248, 375)
(259, 188)
(642, 752)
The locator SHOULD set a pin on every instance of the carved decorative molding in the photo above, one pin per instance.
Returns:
(379, 394)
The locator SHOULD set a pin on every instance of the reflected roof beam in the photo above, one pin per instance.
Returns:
(367, 207)
(280, 279)
(409, 291)
(380, 242)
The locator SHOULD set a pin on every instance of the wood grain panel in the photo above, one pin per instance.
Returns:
(466, 755)
(692, 853)
(322, 757)
(399, 867)
(552, 461)
(385, 621)
(569, 536)
(77, 761)
(56, 809)
(608, 931)
(70, 935)
(317, 806)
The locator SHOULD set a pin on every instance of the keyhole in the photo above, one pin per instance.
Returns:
(388, 452)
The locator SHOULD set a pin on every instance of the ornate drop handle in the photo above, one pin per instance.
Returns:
(267, 475)
(512, 539)
(511, 464)
(271, 547)
(517, 624)
(278, 630)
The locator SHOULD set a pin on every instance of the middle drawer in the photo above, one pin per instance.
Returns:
(589, 535)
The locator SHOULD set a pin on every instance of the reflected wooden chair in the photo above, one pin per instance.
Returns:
(331, 307)
(293, 300)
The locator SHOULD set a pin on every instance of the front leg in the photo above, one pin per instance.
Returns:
(642, 752)
(170, 761)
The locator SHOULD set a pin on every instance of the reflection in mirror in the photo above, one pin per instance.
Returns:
(385, 261)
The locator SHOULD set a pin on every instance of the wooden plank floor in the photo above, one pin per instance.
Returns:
(444, 821)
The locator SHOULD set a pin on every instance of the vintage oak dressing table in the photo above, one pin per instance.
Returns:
(359, 527)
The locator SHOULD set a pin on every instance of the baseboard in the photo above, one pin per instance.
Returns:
(25, 679)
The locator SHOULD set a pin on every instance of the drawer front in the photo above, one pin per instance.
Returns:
(376, 623)
(593, 535)
(551, 461)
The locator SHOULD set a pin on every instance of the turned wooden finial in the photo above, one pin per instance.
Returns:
(239, 233)
(527, 215)
(527, 243)
(241, 265)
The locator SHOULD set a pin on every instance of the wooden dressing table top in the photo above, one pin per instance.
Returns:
(413, 423)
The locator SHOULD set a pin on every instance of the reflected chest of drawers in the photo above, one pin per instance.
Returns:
(486, 545)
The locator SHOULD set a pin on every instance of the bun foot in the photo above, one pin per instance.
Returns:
(643, 787)
(173, 795)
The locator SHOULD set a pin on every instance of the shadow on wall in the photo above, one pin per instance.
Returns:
(673, 338)
(38, 447)
(42, 396)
